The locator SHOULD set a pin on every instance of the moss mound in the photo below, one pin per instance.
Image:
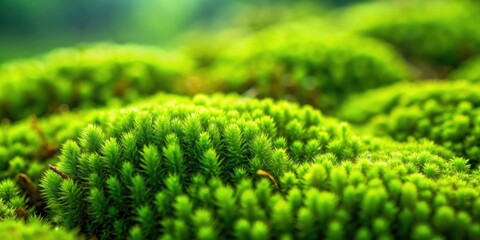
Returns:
(468, 71)
(227, 167)
(444, 112)
(88, 76)
(433, 34)
(296, 62)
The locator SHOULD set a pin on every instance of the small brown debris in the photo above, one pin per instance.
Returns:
(48, 150)
(57, 171)
(33, 194)
(268, 175)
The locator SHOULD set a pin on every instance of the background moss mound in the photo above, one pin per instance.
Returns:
(16, 230)
(296, 62)
(432, 34)
(88, 76)
(468, 71)
(444, 112)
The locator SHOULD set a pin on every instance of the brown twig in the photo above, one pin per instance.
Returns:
(57, 171)
(27, 184)
(21, 213)
(93, 237)
(33, 195)
(268, 175)
(48, 150)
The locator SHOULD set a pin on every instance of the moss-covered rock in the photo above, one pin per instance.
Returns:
(435, 35)
(89, 76)
(444, 112)
(305, 63)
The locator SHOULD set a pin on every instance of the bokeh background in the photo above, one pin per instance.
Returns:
(33, 27)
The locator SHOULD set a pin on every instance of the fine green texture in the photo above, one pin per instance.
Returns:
(156, 149)
(16, 230)
(12, 204)
(225, 167)
(27, 146)
(89, 76)
(444, 112)
(295, 62)
(439, 34)
(468, 71)
(226, 138)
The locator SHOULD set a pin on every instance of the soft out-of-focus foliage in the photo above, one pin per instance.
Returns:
(15, 230)
(28, 28)
(444, 112)
(469, 71)
(86, 77)
(435, 35)
(306, 63)
(205, 44)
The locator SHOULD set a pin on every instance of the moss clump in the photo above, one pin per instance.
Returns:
(296, 63)
(84, 77)
(13, 204)
(20, 201)
(365, 200)
(444, 112)
(16, 230)
(433, 34)
(468, 71)
(145, 153)
(218, 167)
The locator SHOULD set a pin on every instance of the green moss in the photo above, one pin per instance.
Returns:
(124, 166)
(432, 34)
(15, 205)
(469, 71)
(444, 112)
(25, 155)
(295, 62)
(224, 167)
(84, 77)
(28, 146)
(20, 231)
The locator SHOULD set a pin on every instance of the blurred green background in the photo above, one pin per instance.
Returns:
(32, 27)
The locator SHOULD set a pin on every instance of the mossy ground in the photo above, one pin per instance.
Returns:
(110, 141)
